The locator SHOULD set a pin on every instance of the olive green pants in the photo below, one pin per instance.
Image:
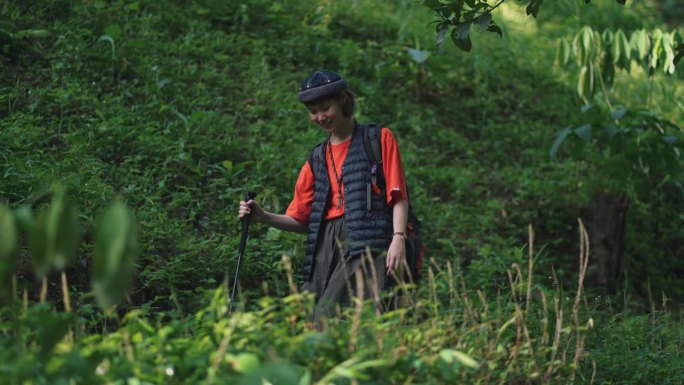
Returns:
(335, 280)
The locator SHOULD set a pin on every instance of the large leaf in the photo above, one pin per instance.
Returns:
(8, 234)
(679, 55)
(116, 250)
(484, 21)
(8, 243)
(533, 7)
(432, 4)
(55, 235)
(625, 50)
(585, 82)
(563, 52)
(50, 327)
(461, 37)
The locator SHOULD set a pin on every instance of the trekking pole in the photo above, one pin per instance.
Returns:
(241, 250)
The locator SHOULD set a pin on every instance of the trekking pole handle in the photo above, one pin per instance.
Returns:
(250, 196)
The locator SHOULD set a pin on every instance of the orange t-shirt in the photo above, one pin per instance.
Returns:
(300, 207)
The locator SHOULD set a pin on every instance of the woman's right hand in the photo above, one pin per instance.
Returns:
(251, 208)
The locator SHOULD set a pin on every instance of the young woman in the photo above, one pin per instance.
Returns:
(333, 205)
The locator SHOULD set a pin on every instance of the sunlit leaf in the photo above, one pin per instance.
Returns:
(244, 362)
(227, 164)
(33, 33)
(451, 356)
(583, 82)
(563, 52)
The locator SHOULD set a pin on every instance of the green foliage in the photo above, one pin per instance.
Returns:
(452, 333)
(116, 249)
(598, 55)
(460, 16)
(54, 236)
(180, 108)
(639, 148)
(8, 244)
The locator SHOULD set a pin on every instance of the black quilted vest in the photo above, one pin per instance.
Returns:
(365, 227)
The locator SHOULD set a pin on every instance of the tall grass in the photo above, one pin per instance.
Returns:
(449, 333)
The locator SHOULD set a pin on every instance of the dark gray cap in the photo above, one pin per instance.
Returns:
(321, 84)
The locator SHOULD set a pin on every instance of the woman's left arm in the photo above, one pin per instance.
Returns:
(396, 254)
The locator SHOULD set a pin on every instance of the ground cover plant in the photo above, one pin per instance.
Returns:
(178, 109)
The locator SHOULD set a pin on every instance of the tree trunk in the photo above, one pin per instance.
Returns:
(606, 228)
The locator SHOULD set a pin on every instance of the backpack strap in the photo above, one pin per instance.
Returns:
(316, 155)
(372, 143)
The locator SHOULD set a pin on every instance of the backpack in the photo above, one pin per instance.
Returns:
(415, 250)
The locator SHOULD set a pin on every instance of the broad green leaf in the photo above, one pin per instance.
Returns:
(615, 47)
(461, 37)
(495, 28)
(560, 138)
(585, 82)
(116, 249)
(432, 4)
(680, 54)
(656, 48)
(8, 235)
(50, 327)
(464, 45)
(8, 244)
(461, 32)
(484, 21)
(563, 52)
(641, 43)
(584, 132)
(668, 54)
(244, 362)
(55, 235)
(586, 34)
(441, 34)
(114, 31)
(625, 50)
(607, 37)
(227, 164)
(134, 6)
(618, 113)
(533, 7)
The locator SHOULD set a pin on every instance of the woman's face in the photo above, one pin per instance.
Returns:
(327, 114)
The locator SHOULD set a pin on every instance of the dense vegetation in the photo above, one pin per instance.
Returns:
(179, 108)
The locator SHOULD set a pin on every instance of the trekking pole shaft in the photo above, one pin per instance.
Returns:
(241, 253)
(241, 250)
